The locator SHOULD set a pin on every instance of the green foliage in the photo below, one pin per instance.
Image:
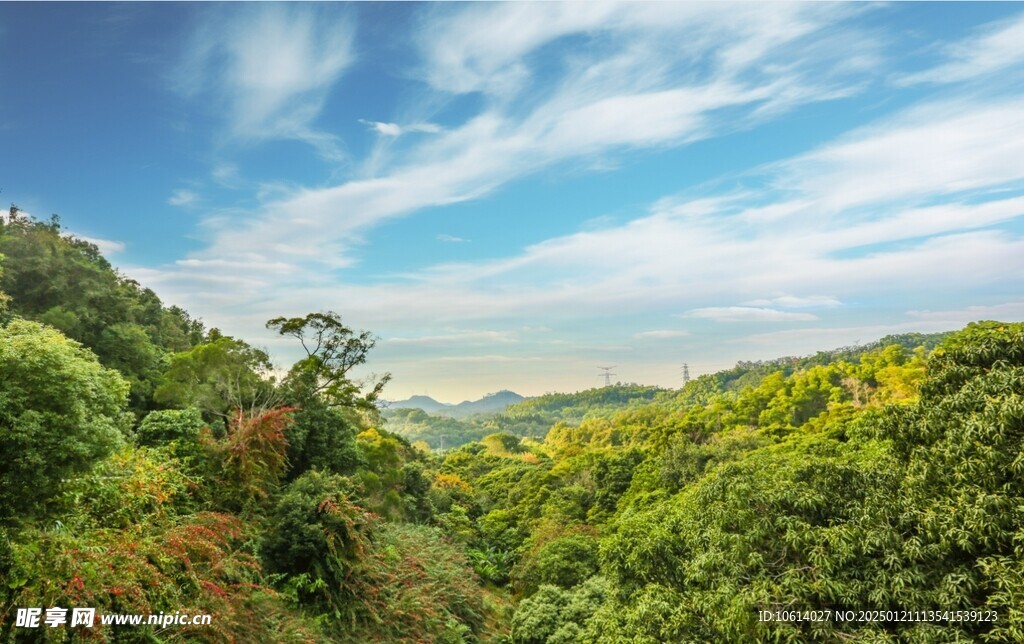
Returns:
(380, 582)
(960, 447)
(785, 524)
(392, 483)
(564, 562)
(502, 444)
(180, 426)
(439, 432)
(557, 616)
(427, 591)
(65, 282)
(317, 537)
(533, 417)
(529, 418)
(142, 529)
(129, 542)
(5, 299)
(322, 438)
(922, 507)
(583, 404)
(218, 377)
(60, 411)
(332, 350)
(126, 490)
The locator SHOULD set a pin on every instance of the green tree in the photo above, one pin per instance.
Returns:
(565, 562)
(66, 283)
(318, 538)
(60, 411)
(557, 616)
(322, 438)
(332, 350)
(218, 377)
(168, 426)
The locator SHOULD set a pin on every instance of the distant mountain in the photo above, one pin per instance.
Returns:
(489, 404)
(426, 403)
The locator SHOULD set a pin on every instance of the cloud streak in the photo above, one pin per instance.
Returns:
(621, 97)
(270, 67)
(994, 48)
(183, 198)
(747, 314)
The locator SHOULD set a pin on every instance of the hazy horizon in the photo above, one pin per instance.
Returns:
(512, 195)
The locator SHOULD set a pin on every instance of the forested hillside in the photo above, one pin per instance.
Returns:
(153, 464)
(530, 418)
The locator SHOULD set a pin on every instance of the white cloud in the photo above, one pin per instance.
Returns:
(793, 302)
(384, 129)
(938, 148)
(395, 130)
(463, 338)
(183, 198)
(617, 96)
(1006, 312)
(661, 334)
(885, 211)
(226, 174)
(487, 47)
(747, 314)
(491, 359)
(450, 238)
(271, 66)
(993, 48)
(106, 246)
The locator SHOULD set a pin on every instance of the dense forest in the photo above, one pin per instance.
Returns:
(152, 464)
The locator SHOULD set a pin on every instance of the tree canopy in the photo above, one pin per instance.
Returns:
(60, 412)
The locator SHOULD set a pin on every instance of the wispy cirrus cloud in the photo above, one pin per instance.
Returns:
(747, 314)
(269, 66)
(794, 302)
(183, 198)
(661, 334)
(384, 128)
(462, 338)
(488, 47)
(451, 239)
(992, 48)
(928, 192)
(936, 148)
(620, 96)
(686, 252)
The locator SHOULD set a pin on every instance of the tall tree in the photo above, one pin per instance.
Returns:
(332, 351)
(331, 403)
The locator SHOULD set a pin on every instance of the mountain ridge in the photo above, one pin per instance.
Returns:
(493, 402)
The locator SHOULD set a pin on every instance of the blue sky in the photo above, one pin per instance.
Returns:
(510, 195)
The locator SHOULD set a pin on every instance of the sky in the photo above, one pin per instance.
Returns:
(511, 195)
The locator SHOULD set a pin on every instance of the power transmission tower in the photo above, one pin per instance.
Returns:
(686, 373)
(607, 375)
